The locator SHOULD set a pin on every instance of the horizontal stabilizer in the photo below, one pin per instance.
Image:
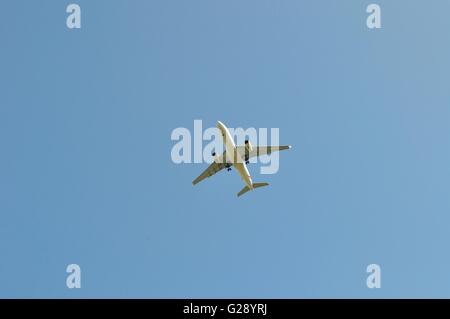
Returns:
(243, 191)
(255, 185)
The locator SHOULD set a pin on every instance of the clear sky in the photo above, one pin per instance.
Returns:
(86, 175)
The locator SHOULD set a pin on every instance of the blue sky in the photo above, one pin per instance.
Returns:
(85, 169)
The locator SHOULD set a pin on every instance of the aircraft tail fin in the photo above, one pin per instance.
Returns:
(255, 185)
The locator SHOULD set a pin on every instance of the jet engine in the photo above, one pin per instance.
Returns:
(216, 157)
(248, 147)
(248, 150)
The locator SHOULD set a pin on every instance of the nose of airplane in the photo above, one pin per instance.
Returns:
(220, 124)
(221, 127)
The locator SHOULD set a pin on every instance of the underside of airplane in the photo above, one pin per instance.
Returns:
(237, 157)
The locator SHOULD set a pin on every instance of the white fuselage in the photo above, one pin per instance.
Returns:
(232, 155)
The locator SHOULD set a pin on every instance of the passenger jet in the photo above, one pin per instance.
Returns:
(237, 156)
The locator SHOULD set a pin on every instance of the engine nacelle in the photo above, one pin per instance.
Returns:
(248, 147)
(218, 159)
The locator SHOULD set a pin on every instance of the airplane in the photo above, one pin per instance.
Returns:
(237, 156)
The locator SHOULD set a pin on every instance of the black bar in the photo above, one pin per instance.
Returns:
(228, 308)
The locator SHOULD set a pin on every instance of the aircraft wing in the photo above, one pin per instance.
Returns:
(212, 169)
(262, 150)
